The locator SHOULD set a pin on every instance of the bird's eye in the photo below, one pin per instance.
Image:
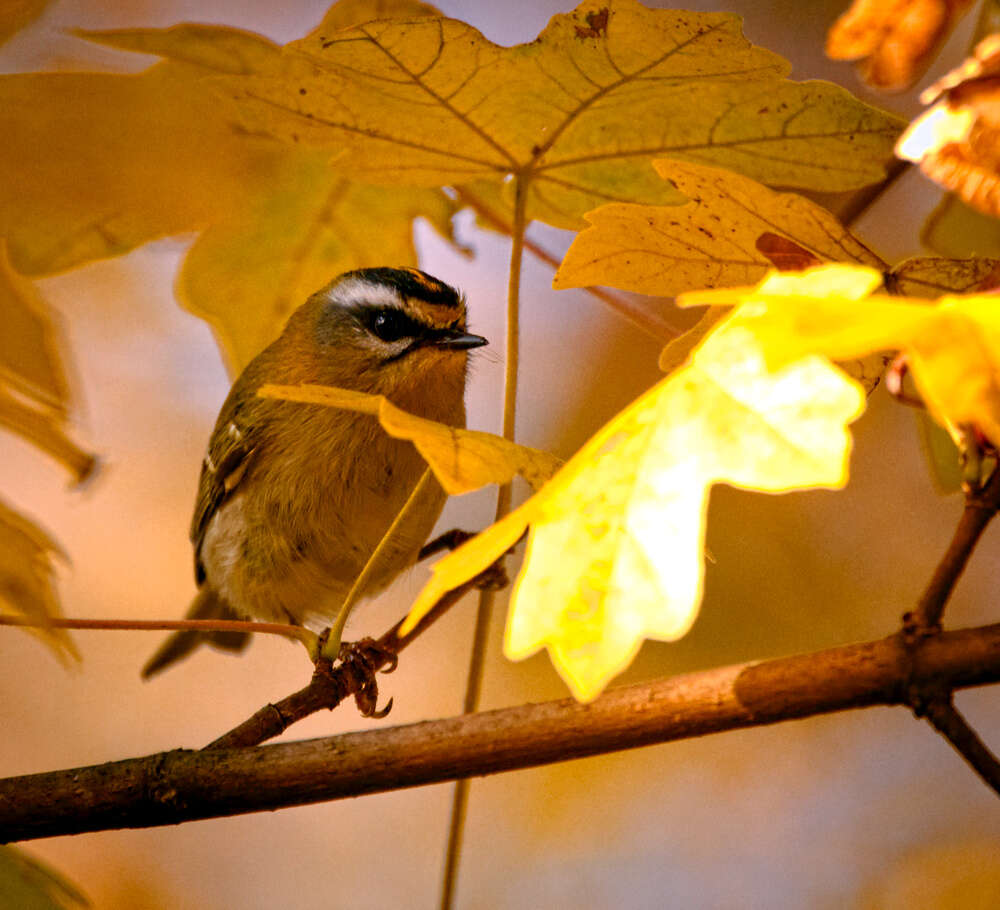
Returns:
(390, 325)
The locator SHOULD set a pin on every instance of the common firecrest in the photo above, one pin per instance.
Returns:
(294, 498)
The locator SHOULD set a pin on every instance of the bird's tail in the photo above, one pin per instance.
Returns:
(206, 605)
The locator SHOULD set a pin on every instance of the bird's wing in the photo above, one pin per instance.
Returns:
(230, 453)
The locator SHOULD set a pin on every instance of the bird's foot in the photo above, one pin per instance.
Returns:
(493, 577)
(363, 659)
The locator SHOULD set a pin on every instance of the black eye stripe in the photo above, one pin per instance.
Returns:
(389, 324)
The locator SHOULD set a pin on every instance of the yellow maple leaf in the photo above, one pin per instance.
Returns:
(726, 234)
(710, 241)
(300, 220)
(952, 346)
(615, 553)
(462, 460)
(249, 270)
(577, 113)
(106, 162)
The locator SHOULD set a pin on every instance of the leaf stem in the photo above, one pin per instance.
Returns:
(331, 646)
(480, 635)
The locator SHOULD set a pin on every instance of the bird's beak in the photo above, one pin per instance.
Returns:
(457, 341)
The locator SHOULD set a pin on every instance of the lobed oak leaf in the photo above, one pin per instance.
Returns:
(895, 39)
(578, 113)
(462, 460)
(616, 546)
(956, 141)
(26, 579)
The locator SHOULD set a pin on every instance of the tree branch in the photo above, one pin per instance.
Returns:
(980, 507)
(179, 786)
(330, 685)
(942, 714)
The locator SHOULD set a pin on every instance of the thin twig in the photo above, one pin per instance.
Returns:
(184, 785)
(163, 625)
(942, 714)
(484, 611)
(980, 507)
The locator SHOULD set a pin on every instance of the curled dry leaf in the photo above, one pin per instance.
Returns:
(462, 460)
(894, 39)
(957, 141)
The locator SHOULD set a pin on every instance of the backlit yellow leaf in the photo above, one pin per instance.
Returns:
(952, 346)
(615, 553)
(578, 113)
(721, 237)
(462, 460)
(929, 276)
(347, 13)
(299, 223)
(219, 49)
(26, 579)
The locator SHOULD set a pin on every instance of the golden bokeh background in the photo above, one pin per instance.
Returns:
(868, 809)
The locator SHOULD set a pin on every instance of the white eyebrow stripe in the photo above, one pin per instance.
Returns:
(353, 291)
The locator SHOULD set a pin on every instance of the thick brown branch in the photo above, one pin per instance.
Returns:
(182, 786)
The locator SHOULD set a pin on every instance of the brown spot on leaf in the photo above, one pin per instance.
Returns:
(784, 254)
(597, 25)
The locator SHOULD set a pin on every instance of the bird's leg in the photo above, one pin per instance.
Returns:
(450, 540)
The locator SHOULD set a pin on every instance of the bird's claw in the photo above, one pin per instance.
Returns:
(363, 659)
(492, 578)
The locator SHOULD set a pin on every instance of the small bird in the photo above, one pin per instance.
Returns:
(293, 498)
